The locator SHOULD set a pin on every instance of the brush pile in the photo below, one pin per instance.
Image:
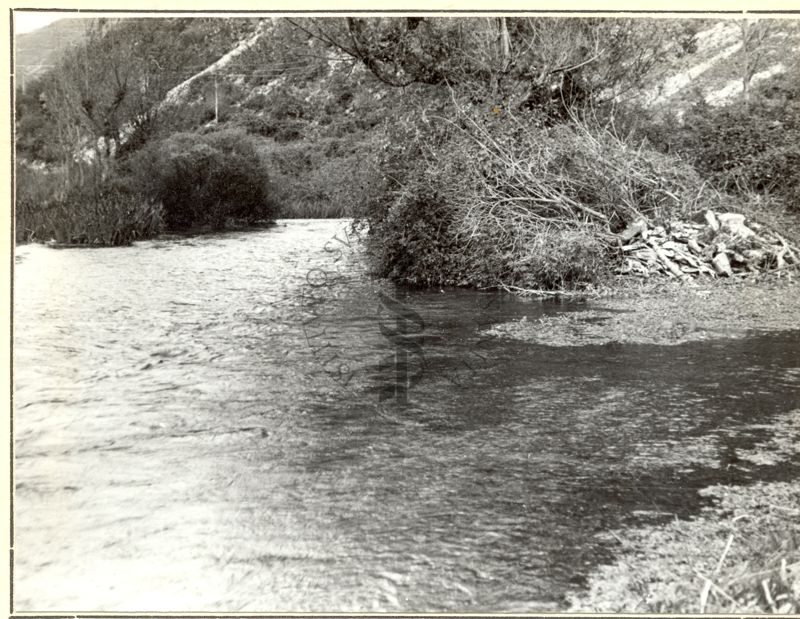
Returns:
(724, 245)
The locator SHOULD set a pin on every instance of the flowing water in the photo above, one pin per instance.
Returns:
(248, 422)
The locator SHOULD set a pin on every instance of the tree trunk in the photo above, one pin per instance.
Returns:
(505, 44)
(746, 73)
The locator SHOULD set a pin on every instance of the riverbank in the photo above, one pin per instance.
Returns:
(741, 555)
(668, 312)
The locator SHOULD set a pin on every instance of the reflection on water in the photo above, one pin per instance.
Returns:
(184, 443)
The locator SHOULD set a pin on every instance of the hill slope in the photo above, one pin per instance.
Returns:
(36, 52)
(712, 68)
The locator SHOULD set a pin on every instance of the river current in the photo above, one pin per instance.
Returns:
(249, 422)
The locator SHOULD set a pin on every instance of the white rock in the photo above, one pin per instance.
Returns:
(722, 265)
(734, 223)
(712, 220)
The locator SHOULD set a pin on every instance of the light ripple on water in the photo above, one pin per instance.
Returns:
(179, 446)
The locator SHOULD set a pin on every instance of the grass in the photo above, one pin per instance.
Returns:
(740, 556)
(50, 208)
(300, 202)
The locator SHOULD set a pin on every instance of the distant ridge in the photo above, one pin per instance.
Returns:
(37, 50)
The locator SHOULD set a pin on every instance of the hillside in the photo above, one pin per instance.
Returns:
(711, 66)
(38, 51)
(706, 62)
(710, 63)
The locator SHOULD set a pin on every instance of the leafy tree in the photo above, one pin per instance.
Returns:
(572, 59)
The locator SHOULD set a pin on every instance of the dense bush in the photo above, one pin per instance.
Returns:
(329, 177)
(185, 181)
(204, 179)
(411, 238)
(253, 122)
(742, 149)
(280, 115)
(477, 198)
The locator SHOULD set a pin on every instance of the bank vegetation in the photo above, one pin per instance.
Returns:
(502, 152)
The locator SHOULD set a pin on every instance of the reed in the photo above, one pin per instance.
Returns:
(741, 555)
(49, 209)
(310, 208)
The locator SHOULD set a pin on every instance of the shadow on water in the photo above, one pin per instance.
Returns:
(513, 457)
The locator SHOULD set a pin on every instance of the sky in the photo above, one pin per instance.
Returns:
(25, 21)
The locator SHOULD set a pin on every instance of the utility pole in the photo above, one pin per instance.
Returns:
(216, 100)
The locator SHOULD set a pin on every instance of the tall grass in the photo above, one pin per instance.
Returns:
(50, 208)
(741, 556)
(314, 209)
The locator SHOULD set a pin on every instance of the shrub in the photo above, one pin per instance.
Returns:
(325, 178)
(473, 199)
(253, 123)
(204, 180)
(257, 102)
(412, 240)
(287, 130)
(743, 149)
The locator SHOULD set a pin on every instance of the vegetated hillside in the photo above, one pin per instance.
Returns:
(712, 60)
(38, 51)
(312, 112)
(506, 151)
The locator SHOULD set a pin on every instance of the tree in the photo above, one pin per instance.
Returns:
(753, 35)
(498, 57)
(110, 85)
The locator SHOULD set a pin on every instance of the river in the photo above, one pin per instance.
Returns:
(248, 422)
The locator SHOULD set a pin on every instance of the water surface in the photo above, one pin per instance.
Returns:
(199, 426)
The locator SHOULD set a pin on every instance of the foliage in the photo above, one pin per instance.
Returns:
(508, 201)
(330, 177)
(533, 60)
(743, 149)
(35, 136)
(99, 212)
(483, 169)
(111, 84)
(203, 179)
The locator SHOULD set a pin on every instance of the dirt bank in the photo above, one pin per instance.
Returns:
(669, 313)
